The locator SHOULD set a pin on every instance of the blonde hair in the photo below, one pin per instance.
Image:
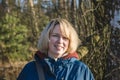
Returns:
(67, 30)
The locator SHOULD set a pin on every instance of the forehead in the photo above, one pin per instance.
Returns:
(60, 28)
(56, 29)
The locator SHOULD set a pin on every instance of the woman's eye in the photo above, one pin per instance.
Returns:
(55, 35)
(59, 36)
(65, 38)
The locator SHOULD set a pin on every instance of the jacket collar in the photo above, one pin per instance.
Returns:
(70, 55)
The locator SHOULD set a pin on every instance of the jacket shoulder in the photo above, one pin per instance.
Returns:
(28, 72)
(83, 70)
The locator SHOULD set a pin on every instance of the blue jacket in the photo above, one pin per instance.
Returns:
(69, 68)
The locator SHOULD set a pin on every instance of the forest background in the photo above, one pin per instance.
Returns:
(21, 22)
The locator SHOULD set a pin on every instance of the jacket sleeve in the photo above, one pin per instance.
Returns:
(28, 72)
(84, 73)
(88, 74)
(23, 73)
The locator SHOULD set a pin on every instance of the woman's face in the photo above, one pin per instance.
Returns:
(58, 44)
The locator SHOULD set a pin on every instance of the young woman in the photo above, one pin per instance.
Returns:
(57, 55)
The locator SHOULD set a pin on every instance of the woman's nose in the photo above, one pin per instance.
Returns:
(60, 39)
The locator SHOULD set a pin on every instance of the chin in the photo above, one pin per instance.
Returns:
(58, 53)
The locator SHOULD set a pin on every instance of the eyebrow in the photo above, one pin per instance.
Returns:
(56, 33)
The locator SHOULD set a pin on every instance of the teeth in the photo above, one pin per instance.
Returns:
(58, 47)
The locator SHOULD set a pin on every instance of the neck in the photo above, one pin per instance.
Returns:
(56, 57)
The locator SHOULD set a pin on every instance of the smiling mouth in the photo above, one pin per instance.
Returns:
(58, 47)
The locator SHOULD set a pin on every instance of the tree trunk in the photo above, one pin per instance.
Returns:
(34, 19)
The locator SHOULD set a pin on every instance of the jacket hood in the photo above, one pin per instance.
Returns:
(70, 55)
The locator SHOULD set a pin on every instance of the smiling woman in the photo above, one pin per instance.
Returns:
(58, 43)
(57, 55)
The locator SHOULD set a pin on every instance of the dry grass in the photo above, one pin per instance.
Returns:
(10, 71)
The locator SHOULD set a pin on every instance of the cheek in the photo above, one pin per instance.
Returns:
(52, 41)
(67, 44)
(50, 44)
